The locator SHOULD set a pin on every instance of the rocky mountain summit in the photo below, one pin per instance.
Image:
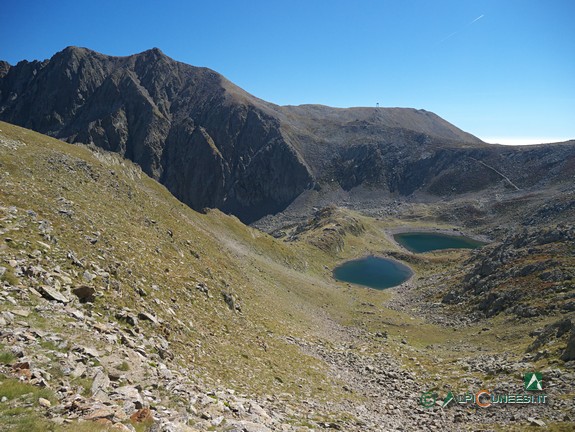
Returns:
(214, 145)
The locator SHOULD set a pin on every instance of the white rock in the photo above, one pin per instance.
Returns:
(258, 411)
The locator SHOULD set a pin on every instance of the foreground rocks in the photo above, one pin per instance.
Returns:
(109, 379)
(116, 365)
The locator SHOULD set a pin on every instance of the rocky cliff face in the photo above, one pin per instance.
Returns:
(214, 145)
(205, 139)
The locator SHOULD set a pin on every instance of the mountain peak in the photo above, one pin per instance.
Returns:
(75, 51)
(152, 54)
(155, 51)
(73, 54)
(214, 145)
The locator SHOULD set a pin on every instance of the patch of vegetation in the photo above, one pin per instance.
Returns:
(82, 427)
(13, 389)
(143, 427)
(9, 276)
(51, 345)
(6, 357)
(20, 412)
(85, 384)
(124, 366)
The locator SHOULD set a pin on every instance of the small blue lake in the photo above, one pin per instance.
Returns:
(420, 242)
(373, 272)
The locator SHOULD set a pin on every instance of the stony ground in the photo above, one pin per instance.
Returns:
(101, 372)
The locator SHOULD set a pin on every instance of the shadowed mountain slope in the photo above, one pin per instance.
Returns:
(214, 145)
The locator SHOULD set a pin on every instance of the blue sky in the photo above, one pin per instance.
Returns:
(503, 70)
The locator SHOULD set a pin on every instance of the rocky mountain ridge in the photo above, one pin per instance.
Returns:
(188, 127)
(214, 145)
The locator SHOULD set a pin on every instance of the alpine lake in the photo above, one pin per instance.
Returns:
(420, 242)
(381, 273)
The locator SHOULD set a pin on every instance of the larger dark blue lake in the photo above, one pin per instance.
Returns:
(420, 242)
(373, 272)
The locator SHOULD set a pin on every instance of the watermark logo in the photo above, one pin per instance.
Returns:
(483, 398)
(448, 399)
(427, 399)
(533, 381)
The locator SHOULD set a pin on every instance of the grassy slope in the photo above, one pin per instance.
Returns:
(147, 238)
(134, 217)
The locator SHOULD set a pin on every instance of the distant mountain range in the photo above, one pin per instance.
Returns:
(214, 145)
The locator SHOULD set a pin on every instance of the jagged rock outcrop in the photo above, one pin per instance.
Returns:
(214, 145)
(326, 230)
(515, 274)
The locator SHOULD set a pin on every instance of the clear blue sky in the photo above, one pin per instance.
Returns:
(501, 69)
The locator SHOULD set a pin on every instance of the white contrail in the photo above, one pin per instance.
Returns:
(458, 31)
(477, 19)
(451, 35)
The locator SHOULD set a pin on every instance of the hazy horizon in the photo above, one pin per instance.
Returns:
(513, 141)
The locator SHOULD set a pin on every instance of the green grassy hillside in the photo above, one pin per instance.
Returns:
(115, 297)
